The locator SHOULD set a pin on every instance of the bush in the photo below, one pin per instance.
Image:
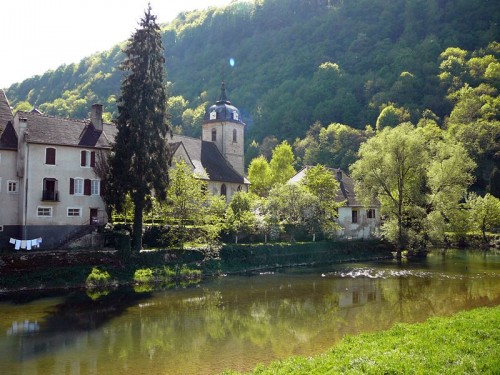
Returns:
(144, 276)
(98, 278)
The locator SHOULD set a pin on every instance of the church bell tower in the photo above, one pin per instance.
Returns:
(222, 125)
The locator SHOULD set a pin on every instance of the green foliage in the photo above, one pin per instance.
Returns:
(335, 146)
(98, 278)
(484, 213)
(391, 116)
(281, 164)
(413, 175)
(144, 276)
(259, 175)
(323, 184)
(239, 216)
(141, 148)
(293, 207)
(297, 62)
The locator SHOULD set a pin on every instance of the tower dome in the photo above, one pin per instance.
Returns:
(222, 110)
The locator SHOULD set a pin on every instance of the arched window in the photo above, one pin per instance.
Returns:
(235, 136)
(223, 190)
(214, 135)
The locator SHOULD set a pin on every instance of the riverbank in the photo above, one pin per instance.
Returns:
(465, 343)
(69, 269)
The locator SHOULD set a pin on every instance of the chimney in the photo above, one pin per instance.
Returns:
(96, 116)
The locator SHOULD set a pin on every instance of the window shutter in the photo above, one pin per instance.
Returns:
(92, 159)
(72, 186)
(83, 158)
(86, 187)
(102, 186)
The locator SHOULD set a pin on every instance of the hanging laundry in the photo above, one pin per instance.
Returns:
(12, 241)
(18, 245)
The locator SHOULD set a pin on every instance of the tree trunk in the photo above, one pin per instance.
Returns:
(137, 228)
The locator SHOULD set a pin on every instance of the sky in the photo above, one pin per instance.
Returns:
(38, 35)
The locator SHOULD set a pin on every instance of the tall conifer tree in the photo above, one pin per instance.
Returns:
(139, 164)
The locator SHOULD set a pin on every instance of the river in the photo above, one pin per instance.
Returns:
(236, 322)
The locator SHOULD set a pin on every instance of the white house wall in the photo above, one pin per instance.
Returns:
(364, 228)
(9, 201)
(67, 166)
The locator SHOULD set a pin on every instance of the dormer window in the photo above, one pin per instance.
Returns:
(213, 115)
(214, 135)
(236, 116)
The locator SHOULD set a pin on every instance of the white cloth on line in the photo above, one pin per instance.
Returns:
(18, 245)
(12, 241)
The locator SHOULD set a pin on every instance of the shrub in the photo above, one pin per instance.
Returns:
(98, 278)
(144, 276)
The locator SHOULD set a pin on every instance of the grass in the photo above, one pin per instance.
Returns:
(466, 343)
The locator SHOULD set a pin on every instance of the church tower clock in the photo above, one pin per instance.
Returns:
(222, 125)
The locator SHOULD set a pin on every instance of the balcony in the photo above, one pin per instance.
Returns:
(50, 196)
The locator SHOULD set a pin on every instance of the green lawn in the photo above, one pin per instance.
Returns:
(465, 343)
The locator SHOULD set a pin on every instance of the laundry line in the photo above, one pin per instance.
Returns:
(26, 244)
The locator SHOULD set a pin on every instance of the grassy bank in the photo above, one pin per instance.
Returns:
(466, 343)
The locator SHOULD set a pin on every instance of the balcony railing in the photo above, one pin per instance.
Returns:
(50, 195)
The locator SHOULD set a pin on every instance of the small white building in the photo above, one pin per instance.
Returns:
(355, 220)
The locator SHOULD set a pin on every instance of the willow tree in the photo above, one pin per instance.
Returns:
(139, 162)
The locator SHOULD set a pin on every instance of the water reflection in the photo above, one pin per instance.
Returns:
(237, 322)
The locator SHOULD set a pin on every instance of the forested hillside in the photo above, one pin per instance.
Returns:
(301, 62)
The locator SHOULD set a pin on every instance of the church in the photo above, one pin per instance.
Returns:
(50, 193)
(218, 157)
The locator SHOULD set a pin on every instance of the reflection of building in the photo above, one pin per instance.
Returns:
(356, 221)
(359, 291)
(218, 157)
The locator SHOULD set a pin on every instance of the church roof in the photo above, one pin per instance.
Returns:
(223, 110)
(207, 160)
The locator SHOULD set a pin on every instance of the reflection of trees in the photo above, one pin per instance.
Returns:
(240, 321)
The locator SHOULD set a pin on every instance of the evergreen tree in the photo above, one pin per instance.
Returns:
(139, 164)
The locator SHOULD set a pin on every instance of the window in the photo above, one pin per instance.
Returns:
(74, 212)
(12, 187)
(354, 216)
(50, 156)
(44, 211)
(235, 136)
(87, 158)
(76, 186)
(370, 214)
(214, 135)
(223, 190)
(79, 186)
(0, 184)
(50, 189)
(95, 186)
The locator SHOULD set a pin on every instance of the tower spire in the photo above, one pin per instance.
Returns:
(223, 97)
